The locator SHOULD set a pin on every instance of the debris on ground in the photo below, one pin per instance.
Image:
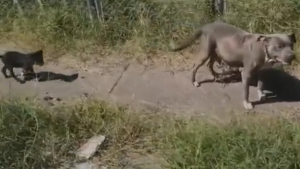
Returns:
(87, 165)
(90, 147)
(48, 98)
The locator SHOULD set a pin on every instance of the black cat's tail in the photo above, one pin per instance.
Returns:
(1, 56)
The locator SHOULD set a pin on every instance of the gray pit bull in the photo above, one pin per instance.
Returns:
(238, 48)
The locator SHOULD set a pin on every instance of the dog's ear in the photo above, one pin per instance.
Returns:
(262, 38)
(292, 37)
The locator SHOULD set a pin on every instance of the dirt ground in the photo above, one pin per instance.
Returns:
(153, 87)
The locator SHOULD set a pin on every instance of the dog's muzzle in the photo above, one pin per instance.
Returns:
(287, 60)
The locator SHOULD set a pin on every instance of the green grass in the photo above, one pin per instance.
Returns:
(36, 137)
(134, 29)
(32, 136)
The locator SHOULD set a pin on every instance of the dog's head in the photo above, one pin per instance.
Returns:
(279, 47)
(38, 57)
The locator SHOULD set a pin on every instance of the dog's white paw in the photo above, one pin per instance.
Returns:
(247, 105)
(196, 84)
(261, 96)
(22, 76)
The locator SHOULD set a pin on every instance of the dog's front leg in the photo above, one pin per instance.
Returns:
(28, 71)
(15, 77)
(260, 87)
(260, 92)
(246, 77)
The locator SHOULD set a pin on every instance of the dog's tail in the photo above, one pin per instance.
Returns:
(189, 41)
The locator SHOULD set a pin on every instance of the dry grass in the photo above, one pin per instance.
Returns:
(37, 137)
(132, 29)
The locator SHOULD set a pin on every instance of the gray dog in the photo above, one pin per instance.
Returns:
(238, 48)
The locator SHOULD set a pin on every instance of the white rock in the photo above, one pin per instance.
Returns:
(86, 165)
(88, 149)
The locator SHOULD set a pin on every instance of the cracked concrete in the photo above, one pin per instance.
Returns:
(121, 75)
(154, 88)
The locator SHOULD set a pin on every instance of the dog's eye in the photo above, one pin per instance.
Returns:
(280, 46)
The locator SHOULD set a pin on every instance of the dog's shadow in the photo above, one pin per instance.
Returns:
(283, 86)
(50, 76)
(235, 77)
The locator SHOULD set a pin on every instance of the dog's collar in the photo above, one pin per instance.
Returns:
(268, 59)
(267, 56)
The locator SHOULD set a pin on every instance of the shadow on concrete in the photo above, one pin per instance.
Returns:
(283, 87)
(49, 76)
(233, 77)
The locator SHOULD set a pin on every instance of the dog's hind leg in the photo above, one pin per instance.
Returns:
(201, 62)
(211, 62)
(3, 70)
(204, 53)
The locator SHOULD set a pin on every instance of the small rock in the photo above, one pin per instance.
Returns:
(50, 104)
(89, 148)
(58, 99)
(86, 165)
(47, 98)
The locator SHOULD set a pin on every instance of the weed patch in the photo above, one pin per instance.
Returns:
(37, 137)
(131, 29)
